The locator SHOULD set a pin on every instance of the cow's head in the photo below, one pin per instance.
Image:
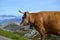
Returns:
(25, 18)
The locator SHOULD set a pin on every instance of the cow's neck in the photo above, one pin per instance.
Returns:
(31, 19)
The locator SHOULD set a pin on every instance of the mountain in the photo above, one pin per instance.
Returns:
(7, 18)
(12, 26)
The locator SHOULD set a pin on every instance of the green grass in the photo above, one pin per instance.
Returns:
(22, 33)
(18, 36)
(12, 35)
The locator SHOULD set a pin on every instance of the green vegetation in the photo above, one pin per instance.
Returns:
(22, 33)
(19, 36)
(12, 35)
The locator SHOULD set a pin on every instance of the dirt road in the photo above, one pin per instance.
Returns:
(4, 38)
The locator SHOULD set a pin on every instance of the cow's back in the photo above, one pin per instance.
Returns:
(51, 21)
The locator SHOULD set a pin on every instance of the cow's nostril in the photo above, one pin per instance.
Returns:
(21, 23)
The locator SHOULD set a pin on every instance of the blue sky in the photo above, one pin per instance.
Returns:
(11, 7)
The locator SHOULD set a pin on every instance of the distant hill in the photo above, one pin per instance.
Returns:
(12, 26)
(7, 18)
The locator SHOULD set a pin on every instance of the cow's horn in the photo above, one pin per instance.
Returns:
(20, 11)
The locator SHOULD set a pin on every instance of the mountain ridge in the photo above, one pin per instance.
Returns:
(7, 18)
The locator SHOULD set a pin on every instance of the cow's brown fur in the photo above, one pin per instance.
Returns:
(45, 22)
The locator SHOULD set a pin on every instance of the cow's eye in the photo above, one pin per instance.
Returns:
(23, 17)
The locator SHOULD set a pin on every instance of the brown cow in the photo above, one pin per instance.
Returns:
(45, 22)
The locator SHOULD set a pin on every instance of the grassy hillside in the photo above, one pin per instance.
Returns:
(12, 35)
(19, 36)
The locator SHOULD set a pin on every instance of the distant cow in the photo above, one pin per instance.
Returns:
(45, 22)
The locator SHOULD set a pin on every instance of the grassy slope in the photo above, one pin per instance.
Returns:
(12, 35)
